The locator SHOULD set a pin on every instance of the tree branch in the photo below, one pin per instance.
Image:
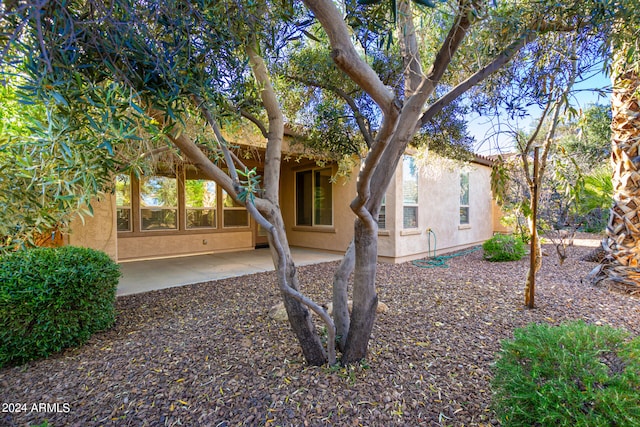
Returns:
(360, 119)
(38, 18)
(341, 296)
(409, 48)
(197, 157)
(347, 58)
(499, 61)
(273, 155)
(450, 45)
(256, 121)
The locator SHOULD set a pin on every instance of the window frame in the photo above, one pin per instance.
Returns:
(136, 230)
(465, 195)
(313, 198)
(382, 214)
(188, 208)
(413, 206)
(175, 208)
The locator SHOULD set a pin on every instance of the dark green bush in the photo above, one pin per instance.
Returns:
(574, 374)
(53, 298)
(503, 247)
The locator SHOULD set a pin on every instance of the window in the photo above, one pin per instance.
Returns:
(182, 203)
(233, 214)
(159, 203)
(123, 202)
(409, 193)
(314, 197)
(382, 216)
(464, 198)
(200, 203)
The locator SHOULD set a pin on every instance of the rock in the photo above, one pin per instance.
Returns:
(278, 312)
(382, 308)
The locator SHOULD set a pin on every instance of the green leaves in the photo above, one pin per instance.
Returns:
(574, 374)
(503, 247)
(250, 184)
(52, 164)
(51, 299)
(392, 3)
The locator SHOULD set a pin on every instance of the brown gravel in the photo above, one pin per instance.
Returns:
(208, 354)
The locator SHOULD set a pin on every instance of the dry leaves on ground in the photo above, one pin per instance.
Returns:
(209, 355)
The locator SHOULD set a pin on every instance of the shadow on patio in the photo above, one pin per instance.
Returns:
(149, 275)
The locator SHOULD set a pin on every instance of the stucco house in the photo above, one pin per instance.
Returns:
(177, 212)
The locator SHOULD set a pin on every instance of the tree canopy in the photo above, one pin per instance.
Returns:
(131, 76)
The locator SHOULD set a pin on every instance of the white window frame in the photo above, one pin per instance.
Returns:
(407, 162)
(465, 193)
(382, 215)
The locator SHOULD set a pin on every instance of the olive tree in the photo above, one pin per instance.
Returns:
(175, 63)
(505, 28)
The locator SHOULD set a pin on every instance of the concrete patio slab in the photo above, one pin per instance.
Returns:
(149, 275)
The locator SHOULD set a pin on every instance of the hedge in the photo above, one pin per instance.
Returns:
(503, 247)
(53, 298)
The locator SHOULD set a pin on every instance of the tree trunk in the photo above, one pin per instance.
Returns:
(298, 314)
(623, 230)
(536, 256)
(365, 298)
(536, 249)
(341, 296)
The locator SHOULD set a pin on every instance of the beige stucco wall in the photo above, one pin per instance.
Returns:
(498, 226)
(387, 240)
(99, 231)
(439, 211)
(160, 246)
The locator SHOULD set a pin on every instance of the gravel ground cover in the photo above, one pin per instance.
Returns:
(209, 354)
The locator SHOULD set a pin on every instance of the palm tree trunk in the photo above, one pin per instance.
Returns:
(623, 230)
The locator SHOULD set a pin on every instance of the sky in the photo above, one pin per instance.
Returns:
(491, 133)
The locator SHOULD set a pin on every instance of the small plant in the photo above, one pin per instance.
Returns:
(574, 374)
(503, 247)
(53, 298)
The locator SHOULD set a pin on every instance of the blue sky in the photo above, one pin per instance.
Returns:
(492, 133)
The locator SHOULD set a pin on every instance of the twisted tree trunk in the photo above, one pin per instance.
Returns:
(298, 314)
(341, 316)
(365, 298)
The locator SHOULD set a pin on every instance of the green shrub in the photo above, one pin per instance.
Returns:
(503, 247)
(53, 298)
(569, 375)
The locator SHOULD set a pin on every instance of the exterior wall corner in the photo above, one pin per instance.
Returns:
(99, 231)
